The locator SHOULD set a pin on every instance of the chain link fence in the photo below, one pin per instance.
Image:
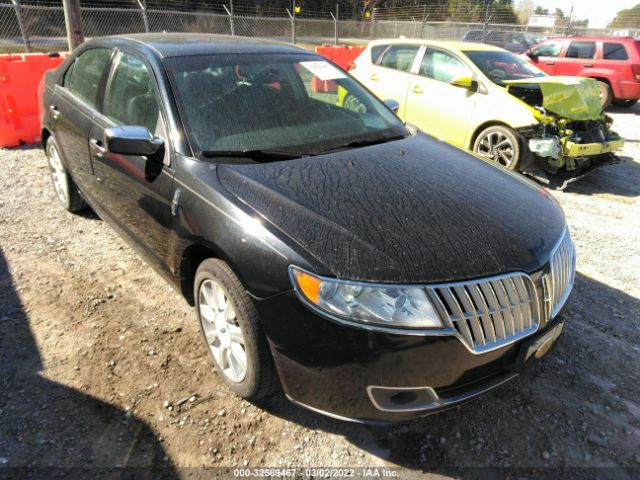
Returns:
(30, 26)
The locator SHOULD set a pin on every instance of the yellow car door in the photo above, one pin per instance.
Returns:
(441, 99)
(388, 76)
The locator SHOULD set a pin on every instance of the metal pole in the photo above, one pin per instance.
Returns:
(230, 13)
(425, 15)
(373, 23)
(293, 22)
(23, 31)
(145, 18)
(73, 23)
(487, 18)
(337, 19)
(567, 28)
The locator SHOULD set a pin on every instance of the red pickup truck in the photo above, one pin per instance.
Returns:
(613, 61)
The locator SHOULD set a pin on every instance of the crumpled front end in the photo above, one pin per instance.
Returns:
(573, 135)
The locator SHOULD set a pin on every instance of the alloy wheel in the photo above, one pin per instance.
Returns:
(498, 147)
(222, 332)
(58, 175)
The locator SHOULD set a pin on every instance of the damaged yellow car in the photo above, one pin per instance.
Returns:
(488, 100)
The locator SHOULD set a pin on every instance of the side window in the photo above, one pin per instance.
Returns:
(376, 51)
(399, 57)
(614, 51)
(581, 50)
(548, 49)
(66, 80)
(131, 99)
(86, 72)
(442, 66)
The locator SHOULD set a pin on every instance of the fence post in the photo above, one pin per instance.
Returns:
(292, 16)
(145, 18)
(425, 15)
(230, 13)
(335, 24)
(23, 31)
(373, 22)
(487, 19)
(73, 23)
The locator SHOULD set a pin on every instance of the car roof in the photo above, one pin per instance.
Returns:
(182, 44)
(456, 45)
(595, 38)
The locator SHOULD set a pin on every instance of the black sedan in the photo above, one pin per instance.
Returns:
(371, 271)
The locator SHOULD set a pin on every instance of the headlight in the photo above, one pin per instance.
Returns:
(390, 306)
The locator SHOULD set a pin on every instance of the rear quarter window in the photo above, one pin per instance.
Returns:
(376, 51)
(398, 57)
(86, 74)
(581, 50)
(614, 51)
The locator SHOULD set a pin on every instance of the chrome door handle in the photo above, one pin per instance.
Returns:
(416, 89)
(55, 113)
(549, 63)
(97, 148)
(588, 65)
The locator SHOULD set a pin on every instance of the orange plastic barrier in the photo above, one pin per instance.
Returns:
(20, 76)
(340, 55)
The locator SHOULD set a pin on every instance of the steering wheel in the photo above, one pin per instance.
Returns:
(497, 74)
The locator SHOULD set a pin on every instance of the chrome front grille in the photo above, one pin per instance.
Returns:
(563, 272)
(489, 313)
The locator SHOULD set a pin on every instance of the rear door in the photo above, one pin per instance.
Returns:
(546, 56)
(578, 59)
(388, 76)
(136, 190)
(72, 110)
(433, 104)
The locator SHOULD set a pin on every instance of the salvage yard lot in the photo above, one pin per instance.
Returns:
(101, 361)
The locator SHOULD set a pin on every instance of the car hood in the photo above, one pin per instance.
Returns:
(414, 211)
(574, 98)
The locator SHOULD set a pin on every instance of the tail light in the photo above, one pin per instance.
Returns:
(350, 66)
(636, 71)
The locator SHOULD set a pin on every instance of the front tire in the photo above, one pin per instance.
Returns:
(232, 332)
(499, 144)
(65, 188)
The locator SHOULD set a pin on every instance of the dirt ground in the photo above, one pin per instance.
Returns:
(102, 364)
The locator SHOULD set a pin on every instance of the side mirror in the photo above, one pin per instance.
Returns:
(392, 105)
(131, 140)
(531, 55)
(464, 82)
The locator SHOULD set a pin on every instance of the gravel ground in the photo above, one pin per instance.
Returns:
(102, 365)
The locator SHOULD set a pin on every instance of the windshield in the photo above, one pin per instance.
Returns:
(275, 102)
(502, 66)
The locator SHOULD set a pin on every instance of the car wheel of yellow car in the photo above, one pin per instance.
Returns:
(355, 105)
(499, 144)
(605, 94)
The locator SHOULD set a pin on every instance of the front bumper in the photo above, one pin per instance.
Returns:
(572, 149)
(345, 371)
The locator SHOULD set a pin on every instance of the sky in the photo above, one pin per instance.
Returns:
(599, 12)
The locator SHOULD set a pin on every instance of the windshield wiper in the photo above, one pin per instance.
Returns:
(258, 154)
(364, 142)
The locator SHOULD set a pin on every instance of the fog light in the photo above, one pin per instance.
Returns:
(545, 147)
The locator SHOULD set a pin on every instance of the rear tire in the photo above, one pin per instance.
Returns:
(605, 94)
(231, 329)
(625, 103)
(499, 144)
(64, 186)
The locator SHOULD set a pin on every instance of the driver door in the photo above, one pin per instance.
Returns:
(433, 104)
(134, 191)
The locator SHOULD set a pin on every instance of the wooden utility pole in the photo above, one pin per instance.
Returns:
(73, 22)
